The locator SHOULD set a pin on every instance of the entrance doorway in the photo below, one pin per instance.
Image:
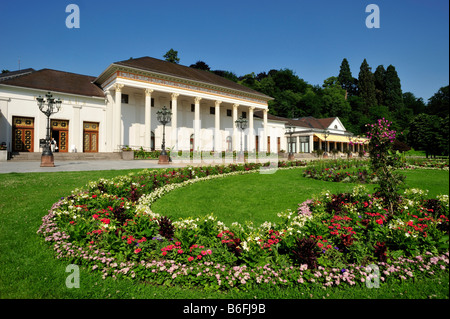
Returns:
(90, 137)
(23, 134)
(60, 132)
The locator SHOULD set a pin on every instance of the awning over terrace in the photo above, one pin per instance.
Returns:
(341, 138)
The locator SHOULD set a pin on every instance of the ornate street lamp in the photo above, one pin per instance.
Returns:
(48, 107)
(290, 130)
(164, 116)
(241, 123)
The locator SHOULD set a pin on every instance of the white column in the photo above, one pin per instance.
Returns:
(117, 125)
(108, 126)
(311, 143)
(297, 144)
(148, 118)
(77, 135)
(251, 135)
(197, 145)
(174, 120)
(266, 131)
(235, 117)
(217, 135)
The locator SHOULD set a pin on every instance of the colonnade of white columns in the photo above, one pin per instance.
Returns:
(117, 138)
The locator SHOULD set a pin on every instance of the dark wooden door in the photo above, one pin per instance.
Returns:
(23, 134)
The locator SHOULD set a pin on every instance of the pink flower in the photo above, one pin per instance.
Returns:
(190, 258)
(137, 250)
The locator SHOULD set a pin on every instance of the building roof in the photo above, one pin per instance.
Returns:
(312, 122)
(308, 122)
(13, 74)
(57, 81)
(172, 69)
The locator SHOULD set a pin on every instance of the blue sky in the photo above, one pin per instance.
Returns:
(309, 37)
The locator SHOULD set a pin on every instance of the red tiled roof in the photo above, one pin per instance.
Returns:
(57, 81)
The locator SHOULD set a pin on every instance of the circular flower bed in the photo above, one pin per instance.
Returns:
(330, 240)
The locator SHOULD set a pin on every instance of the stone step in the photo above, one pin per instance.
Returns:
(67, 156)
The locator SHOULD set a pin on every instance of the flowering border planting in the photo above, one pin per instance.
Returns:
(110, 228)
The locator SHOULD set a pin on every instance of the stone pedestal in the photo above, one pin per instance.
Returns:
(3, 155)
(163, 159)
(128, 155)
(47, 161)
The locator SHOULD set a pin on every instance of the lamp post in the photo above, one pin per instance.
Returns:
(241, 123)
(290, 131)
(164, 116)
(48, 107)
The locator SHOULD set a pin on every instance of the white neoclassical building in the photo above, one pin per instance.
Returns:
(119, 108)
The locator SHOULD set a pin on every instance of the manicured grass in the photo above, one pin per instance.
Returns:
(250, 197)
(28, 268)
(259, 197)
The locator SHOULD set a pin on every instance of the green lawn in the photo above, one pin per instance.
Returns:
(28, 268)
(259, 197)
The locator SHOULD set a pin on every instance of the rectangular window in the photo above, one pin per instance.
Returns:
(244, 115)
(125, 98)
(212, 110)
(228, 112)
(152, 103)
(304, 144)
(192, 107)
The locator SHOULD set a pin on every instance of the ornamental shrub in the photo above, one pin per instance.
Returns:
(385, 163)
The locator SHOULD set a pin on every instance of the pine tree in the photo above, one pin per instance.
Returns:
(346, 79)
(366, 87)
(380, 86)
(172, 56)
(393, 96)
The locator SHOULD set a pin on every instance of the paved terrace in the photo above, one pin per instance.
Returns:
(75, 164)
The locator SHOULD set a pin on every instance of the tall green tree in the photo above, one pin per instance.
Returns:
(334, 100)
(311, 103)
(417, 105)
(345, 78)
(172, 56)
(366, 87)
(438, 104)
(380, 85)
(393, 96)
(425, 134)
(200, 65)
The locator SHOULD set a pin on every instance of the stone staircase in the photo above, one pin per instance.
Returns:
(21, 156)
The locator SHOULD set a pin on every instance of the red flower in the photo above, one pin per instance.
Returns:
(190, 258)
(95, 216)
(137, 250)
(164, 253)
(94, 196)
